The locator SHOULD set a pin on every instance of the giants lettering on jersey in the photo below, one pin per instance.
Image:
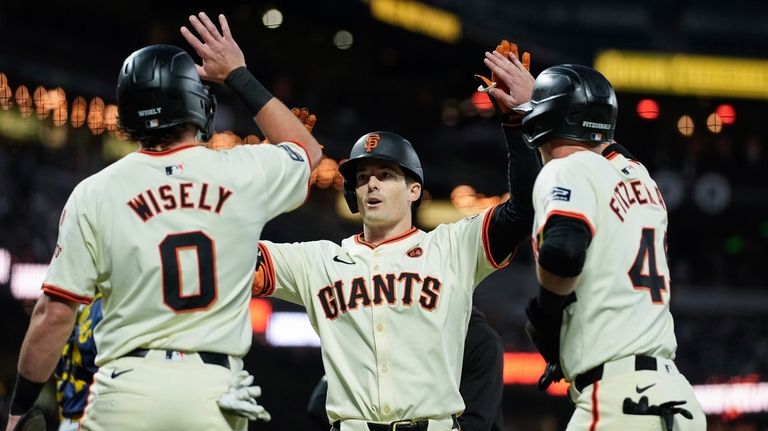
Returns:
(628, 194)
(387, 289)
(151, 202)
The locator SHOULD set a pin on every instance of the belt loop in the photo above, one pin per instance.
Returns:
(643, 362)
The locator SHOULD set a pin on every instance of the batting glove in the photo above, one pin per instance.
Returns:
(241, 398)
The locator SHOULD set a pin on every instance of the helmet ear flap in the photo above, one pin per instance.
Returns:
(351, 197)
(205, 133)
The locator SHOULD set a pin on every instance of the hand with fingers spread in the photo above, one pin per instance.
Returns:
(218, 50)
(224, 62)
(511, 82)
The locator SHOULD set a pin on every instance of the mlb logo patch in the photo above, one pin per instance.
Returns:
(560, 194)
(174, 169)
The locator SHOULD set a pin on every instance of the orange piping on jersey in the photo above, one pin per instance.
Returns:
(611, 155)
(487, 243)
(62, 293)
(571, 214)
(359, 238)
(595, 409)
(167, 152)
(269, 272)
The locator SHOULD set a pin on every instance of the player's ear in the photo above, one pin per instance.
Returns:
(414, 191)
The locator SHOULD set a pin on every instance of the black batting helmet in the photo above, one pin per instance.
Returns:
(385, 146)
(570, 101)
(159, 87)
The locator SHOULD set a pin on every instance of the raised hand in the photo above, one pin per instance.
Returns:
(218, 50)
(514, 75)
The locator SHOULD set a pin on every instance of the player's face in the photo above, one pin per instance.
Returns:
(384, 197)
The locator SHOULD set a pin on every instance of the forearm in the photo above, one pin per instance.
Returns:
(523, 166)
(512, 220)
(49, 328)
(279, 124)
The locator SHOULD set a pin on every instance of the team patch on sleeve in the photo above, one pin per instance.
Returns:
(560, 194)
(291, 153)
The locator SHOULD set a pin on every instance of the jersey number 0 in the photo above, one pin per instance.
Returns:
(172, 280)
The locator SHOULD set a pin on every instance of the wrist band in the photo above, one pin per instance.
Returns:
(24, 395)
(250, 90)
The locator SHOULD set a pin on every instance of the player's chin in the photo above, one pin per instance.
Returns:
(374, 218)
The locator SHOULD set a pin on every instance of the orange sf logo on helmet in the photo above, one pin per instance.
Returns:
(371, 142)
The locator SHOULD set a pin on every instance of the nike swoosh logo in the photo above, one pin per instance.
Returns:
(338, 259)
(641, 390)
(116, 373)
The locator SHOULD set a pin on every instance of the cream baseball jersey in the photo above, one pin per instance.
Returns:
(392, 318)
(623, 291)
(168, 239)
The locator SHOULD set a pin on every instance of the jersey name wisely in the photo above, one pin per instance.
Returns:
(186, 195)
(168, 238)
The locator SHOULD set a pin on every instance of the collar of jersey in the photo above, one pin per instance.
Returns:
(167, 152)
(359, 238)
(613, 150)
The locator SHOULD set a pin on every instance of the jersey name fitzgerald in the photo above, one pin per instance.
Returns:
(189, 195)
(340, 297)
(627, 194)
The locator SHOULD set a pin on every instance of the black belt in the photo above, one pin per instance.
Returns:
(642, 362)
(404, 425)
(211, 358)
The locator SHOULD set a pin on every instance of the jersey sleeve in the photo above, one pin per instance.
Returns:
(563, 188)
(284, 171)
(286, 271)
(468, 247)
(73, 273)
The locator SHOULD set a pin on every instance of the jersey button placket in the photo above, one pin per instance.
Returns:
(383, 353)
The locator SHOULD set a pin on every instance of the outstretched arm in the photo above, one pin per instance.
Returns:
(512, 221)
(224, 62)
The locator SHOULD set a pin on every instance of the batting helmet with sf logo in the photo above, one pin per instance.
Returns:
(385, 146)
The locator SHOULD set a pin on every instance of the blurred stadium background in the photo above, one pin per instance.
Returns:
(692, 82)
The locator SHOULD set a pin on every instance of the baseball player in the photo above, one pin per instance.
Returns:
(165, 235)
(391, 305)
(74, 373)
(481, 385)
(602, 314)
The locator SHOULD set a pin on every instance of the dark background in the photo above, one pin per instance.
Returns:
(393, 79)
